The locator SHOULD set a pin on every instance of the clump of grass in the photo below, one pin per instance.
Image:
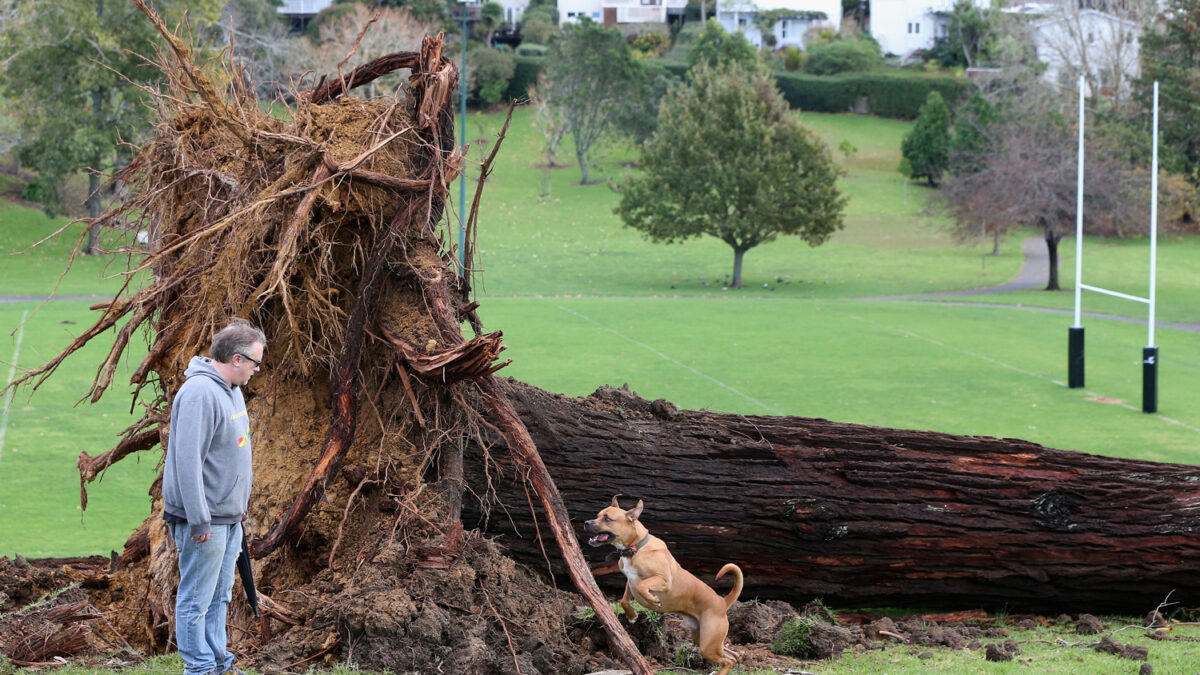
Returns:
(794, 638)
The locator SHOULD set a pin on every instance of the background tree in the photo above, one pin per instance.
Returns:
(431, 11)
(730, 160)
(1100, 45)
(857, 10)
(590, 71)
(715, 46)
(260, 40)
(1027, 175)
(491, 17)
(536, 30)
(325, 51)
(1170, 53)
(69, 74)
(927, 145)
(549, 121)
(969, 36)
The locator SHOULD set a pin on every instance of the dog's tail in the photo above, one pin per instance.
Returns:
(737, 584)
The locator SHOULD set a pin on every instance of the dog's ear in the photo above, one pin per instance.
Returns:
(615, 504)
(636, 512)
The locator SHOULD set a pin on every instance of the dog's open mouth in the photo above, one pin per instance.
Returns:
(600, 539)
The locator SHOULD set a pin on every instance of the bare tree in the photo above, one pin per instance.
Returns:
(549, 120)
(1025, 175)
(355, 37)
(258, 35)
(1097, 39)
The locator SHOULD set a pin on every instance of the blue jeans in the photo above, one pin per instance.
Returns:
(206, 574)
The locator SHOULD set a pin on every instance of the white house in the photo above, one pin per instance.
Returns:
(513, 10)
(1073, 40)
(611, 12)
(299, 12)
(904, 26)
(794, 18)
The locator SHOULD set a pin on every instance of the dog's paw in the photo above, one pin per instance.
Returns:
(631, 617)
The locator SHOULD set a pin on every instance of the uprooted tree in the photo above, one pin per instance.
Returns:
(323, 230)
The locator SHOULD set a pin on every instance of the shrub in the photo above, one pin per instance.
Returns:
(650, 44)
(851, 56)
(537, 30)
(793, 59)
(490, 71)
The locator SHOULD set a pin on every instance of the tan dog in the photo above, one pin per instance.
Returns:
(656, 581)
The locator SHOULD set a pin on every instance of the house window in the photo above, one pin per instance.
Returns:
(595, 15)
(916, 28)
(783, 29)
(570, 15)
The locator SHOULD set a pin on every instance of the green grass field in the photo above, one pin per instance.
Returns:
(585, 302)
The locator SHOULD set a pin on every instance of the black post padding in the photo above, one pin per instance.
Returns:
(1075, 357)
(1149, 379)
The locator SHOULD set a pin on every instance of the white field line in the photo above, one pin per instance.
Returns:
(1002, 364)
(12, 373)
(671, 360)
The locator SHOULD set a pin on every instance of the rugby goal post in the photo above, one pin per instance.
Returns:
(1075, 353)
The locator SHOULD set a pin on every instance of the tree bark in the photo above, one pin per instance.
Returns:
(1052, 240)
(739, 255)
(858, 515)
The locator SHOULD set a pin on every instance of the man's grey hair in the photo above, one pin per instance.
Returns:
(236, 338)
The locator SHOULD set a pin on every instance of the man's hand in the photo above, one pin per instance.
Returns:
(202, 538)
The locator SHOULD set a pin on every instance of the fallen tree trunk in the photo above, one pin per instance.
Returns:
(860, 515)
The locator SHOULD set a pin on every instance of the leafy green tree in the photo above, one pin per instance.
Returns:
(927, 145)
(715, 46)
(974, 128)
(590, 71)
(491, 17)
(1170, 54)
(969, 36)
(536, 30)
(71, 76)
(730, 160)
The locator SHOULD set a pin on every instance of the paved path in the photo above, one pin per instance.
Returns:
(1033, 275)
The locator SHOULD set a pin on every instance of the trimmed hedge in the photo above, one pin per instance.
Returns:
(889, 94)
(895, 95)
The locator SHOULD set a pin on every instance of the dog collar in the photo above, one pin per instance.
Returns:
(630, 550)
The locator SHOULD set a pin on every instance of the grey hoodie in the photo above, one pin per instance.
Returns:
(208, 473)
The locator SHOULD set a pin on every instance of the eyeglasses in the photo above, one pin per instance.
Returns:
(257, 362)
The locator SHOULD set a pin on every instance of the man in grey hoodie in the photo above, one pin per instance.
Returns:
(206, 489)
